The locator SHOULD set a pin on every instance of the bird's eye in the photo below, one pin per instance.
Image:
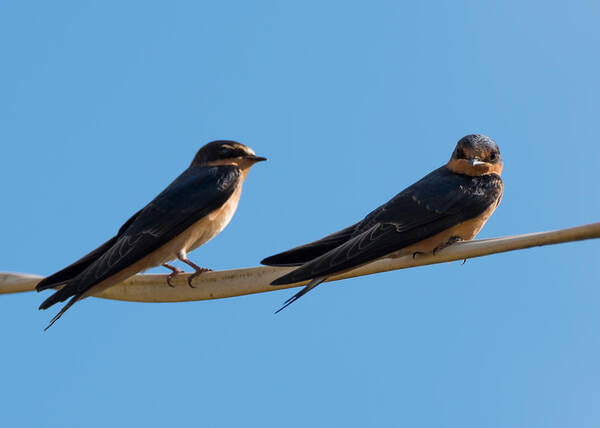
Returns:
(493, 156)
(224, 150)
(460, 154)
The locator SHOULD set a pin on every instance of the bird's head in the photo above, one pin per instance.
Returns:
(225, 152)
(476, 155)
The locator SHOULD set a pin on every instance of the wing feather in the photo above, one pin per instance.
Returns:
(194, 194)
(307, 252)
(80, 265)
(439, 201)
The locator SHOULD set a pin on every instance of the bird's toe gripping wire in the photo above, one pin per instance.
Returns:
(452, 240)
(195, 274)
(175, 271)
(198, 270)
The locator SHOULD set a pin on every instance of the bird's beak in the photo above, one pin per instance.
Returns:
(254, 158)
(476, 162)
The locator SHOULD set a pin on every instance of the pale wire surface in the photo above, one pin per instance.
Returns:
(238, 282)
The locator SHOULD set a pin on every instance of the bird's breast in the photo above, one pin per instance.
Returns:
(198, 233)
(210, 226)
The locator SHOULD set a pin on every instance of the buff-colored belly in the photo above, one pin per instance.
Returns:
(465, 231)
(199, 233)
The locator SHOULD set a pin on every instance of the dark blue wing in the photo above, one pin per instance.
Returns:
(197, 192)
(80, 265)
(437, 202)
(307, 252)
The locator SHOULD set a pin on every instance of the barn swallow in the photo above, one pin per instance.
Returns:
(193, 209)
(448, 205)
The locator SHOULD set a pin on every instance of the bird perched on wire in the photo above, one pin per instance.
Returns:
(193, 209)
(448, 205)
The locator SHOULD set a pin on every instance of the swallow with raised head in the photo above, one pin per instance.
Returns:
(448, 205)
(193, 209)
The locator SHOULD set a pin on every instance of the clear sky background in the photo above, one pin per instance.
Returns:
(103, 103)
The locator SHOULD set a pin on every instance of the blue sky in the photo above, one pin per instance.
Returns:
(102, 104)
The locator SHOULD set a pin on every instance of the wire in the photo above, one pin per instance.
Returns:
(238, 282)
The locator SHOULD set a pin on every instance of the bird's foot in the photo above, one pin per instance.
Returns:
(199, 271)
(417, 253)
(173, 274)
(452, 240)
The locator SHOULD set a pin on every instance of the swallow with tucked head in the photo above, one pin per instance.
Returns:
(448, 205)
(193, 209)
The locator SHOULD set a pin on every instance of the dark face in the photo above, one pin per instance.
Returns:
(477, 148)
(224, 150)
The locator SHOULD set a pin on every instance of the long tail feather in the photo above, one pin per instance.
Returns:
(302, 292)
(63, 310)
(58, 296)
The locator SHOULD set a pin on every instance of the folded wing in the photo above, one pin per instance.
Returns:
(194, 194)
(305, 253)
(438, 202)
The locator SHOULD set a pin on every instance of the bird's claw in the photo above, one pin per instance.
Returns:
(175, 272)
(195, 274)
(452, 240)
